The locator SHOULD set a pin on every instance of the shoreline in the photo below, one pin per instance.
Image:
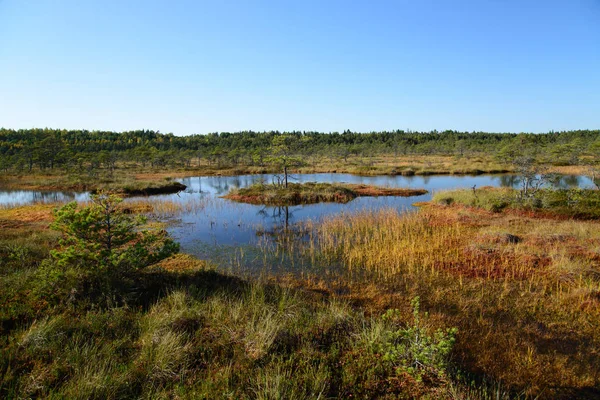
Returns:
(133, 182)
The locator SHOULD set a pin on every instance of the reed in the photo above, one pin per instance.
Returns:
(166, 208)
(523, 292)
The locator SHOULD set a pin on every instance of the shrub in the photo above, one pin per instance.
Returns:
(498, 205)
(412, 349)
(100, 247)
(103, 238)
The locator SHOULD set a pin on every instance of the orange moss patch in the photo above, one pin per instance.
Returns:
(489, 263)
(373, 191)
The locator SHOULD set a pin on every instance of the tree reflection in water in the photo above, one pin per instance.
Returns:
(279, 216)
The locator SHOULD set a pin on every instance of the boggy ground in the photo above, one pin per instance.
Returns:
(124, 182)
(311, 192)
(180, 329)
(523, 291)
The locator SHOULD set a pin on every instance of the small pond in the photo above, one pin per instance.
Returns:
(220, 222)
(211, 222)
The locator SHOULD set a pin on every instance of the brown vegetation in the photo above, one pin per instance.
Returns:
(523, 292)
(374, 191)
(311, 192)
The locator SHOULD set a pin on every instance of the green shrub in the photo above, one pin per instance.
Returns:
(576, 203)
(412, 349)
(102, 237)
(100, 248)
(446, 200)
(498, 205)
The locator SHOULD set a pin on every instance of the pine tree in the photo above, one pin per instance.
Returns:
(102, 238)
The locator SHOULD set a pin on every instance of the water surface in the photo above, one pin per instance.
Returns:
(223, 222)
(12, 198)
(215, 222)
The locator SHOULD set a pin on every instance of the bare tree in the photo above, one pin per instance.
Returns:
(594, 175)
(284, 157)
(532, 177)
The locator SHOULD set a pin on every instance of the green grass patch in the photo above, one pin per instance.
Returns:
(572, 203)
(203, 335)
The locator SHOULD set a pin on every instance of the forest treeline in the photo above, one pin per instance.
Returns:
(33, 149)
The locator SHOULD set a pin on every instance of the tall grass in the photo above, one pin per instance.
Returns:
(166, 208)
(524, 293)
(260, 341)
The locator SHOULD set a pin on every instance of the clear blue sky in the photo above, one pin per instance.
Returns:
(197, 66)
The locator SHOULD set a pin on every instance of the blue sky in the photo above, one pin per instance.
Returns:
(197, 67)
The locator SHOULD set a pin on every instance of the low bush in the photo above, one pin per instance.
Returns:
(575, 203)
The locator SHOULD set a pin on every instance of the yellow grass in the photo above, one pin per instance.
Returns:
(527, 309)
(183, 263)
(28, 213)
(570, 169)
(163, 208)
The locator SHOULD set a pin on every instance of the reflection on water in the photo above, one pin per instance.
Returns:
(220, 222)
(21, 197)
(280, 216)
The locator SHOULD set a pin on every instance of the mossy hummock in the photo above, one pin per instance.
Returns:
(311, 192)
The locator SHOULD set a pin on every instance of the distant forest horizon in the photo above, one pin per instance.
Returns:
(45, 148)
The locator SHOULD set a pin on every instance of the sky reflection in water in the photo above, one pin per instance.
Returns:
(218, 222)
(223, 222)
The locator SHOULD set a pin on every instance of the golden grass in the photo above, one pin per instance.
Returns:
(163, 208)
(39, 212)
(570, 169)
(523, 292)
(463, 241)
(183, 263)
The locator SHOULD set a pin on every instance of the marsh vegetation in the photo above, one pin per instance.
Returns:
(312, 192)
(454, 300)
(480, 293)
